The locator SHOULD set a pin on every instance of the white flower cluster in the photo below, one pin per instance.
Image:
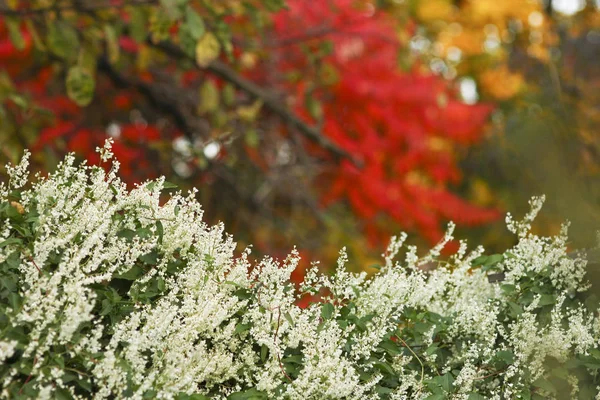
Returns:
(220, 325)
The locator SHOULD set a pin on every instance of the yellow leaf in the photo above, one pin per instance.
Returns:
(249, 113)
(209, 97)
(248, 60)
(208, 49)
(143, 57)
(481, 193)
(18, 206)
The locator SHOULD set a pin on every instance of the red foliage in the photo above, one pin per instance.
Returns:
(402, 125)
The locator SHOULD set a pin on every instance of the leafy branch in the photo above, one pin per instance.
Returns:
(275, 105)
(74, 6)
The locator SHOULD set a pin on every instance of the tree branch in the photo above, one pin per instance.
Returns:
(75, 6)
(161, 96)
(274, 104)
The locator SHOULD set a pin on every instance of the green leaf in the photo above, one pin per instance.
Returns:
(296, 359)
(62, 40)
(169, 185)
(9, 283)
(384, 367)
(475, 396)
(327, 310)
(85, 384)
(132, 274)
(432, 349)
(15, 301)
(14, 32)
(240, 328)
(243, 294)
(149, 258)
(171, 9)
(547, 299)
(264, 350)
(445, 382)
(507, 356)
(545, 384)
(274, 5)
(138, 20)
(437, 396)
(313, 106)
(11, 241)
(514, 309)
(508, 289)
(160, 231)
(80, 86)
(493, 259)
(126, 233)
(194, 23)
(37, 41)
(185, 396)
(62, 394)
(19, 100)
(112, 43)
(479, 261)
(228, 94)
(289, 319)
(107, 307)
(249, 394)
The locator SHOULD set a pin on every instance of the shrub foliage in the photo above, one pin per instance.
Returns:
(111, 293)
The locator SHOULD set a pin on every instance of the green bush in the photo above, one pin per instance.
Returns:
(109, 293)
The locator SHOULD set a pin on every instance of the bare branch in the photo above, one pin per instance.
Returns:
(274, 104)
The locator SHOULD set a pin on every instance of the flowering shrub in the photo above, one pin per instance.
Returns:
(109, 293)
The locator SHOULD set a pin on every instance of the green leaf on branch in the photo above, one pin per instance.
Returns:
(14, 32)
(207, 49)
(327, 310)
(80, 86)
(63, 40)
(194, 24)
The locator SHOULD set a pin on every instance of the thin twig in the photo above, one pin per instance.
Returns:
(275, 343)
(416, 356)
(30, 375)
(33, 262)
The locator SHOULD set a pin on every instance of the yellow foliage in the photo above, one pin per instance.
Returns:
(248, 60)
(208, 49)
(434, 10)
(500, 82)
(209, 97)
(143, 57)
(539, 51)
(481, 194)
(480, 27)
(499, 12)
(468, 41)
(249, 113)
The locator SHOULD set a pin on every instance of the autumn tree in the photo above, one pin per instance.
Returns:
(537, 61)
(286, 116)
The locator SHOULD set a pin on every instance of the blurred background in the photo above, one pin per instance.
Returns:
(321, 124)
